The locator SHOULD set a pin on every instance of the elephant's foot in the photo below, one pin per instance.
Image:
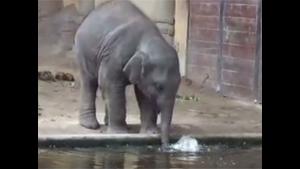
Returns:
(89, 121)
(119, 129)
(149, 130)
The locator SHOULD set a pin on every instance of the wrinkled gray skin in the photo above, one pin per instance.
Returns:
(117, 45)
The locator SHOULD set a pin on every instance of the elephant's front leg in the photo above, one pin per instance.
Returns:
(116, 105)
(149, 113)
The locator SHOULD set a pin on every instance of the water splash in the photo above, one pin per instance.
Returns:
(187, 144)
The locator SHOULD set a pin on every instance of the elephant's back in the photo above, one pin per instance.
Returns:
(108, 16)
(104, 19)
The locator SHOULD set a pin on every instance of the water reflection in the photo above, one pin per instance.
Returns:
(153, 161)
(133, 158)
(113, 160)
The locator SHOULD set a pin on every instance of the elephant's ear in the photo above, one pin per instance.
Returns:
(134, 67)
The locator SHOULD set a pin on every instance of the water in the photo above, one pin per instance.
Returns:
(149, 157)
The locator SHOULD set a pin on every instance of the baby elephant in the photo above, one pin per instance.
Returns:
(117, 45)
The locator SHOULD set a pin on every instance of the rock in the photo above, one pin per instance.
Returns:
(64, 76)
(45, 76)
(187, 81)
(178, 96)
(186, 98)
(193, 98)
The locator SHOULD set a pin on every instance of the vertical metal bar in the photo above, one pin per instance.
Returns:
(258, 51)
(220, 55)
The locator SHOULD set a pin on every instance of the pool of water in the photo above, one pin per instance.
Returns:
(149, 157)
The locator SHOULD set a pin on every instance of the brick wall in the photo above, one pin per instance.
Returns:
(203, 41)
(234, 72)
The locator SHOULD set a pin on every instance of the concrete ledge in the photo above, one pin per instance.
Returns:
(100, 140)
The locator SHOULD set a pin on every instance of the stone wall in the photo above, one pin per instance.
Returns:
(56, 27)
(59, 25)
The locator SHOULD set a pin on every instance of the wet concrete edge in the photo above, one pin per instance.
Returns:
(96, 140)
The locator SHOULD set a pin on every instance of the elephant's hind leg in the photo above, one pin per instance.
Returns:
(87, 117)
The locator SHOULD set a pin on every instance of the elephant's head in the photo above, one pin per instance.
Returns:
(155, 70)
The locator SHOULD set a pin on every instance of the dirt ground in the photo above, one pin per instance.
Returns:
(211, 114)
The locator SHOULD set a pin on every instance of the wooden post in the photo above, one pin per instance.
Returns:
(181, 32)
(220, 55)
(258, 58)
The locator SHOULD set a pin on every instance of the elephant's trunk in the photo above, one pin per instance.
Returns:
(166, 118)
